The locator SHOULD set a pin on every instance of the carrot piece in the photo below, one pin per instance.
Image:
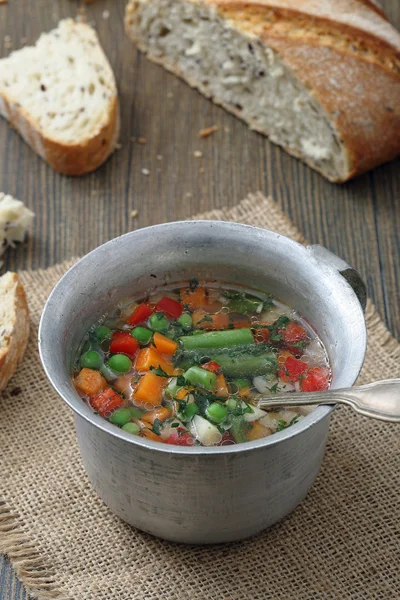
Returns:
(161, 414)
(257, 432)
(183, 392)
(239, 321)
(221, 387)
(90, 382)
(150, 435)
(149, 390)
(106, 402)
(164, 344)
(149, 357)
(193, 298)
(245, 391)
(204, 320)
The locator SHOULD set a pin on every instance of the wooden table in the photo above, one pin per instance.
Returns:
(360, 220)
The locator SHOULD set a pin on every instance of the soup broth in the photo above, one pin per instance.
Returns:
(185, 365)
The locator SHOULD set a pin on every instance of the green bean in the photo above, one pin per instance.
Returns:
(216, 412)
(200, 377)
(237, 365)
(218, 339)
(238, 429)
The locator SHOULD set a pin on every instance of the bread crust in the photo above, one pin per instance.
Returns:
(12, 354)
(359, 88)
(67, 159)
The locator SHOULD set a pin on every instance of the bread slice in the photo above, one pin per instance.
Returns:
(319, 77)
(62, 98)
(15, 220)
(14, 326)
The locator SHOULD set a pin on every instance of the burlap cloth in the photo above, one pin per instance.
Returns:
(342, 542)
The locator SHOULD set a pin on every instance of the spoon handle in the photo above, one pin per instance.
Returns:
(379, 400)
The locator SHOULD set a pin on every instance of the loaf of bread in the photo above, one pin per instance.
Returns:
(15, 220)
(14, 326)
(62, 98)
(321, 78)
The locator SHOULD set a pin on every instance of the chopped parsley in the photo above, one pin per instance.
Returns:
(193, 284)
(284, 424)
(159, 371)
(157, 426)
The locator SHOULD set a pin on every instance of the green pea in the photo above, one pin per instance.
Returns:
(191, 410)
(102, 333)
(119, 363)
(91, 360)
(131, 428)
(142, 335)
(135, 413)
(185, 321)
(158, 322)
(216, 412)
(120, 416)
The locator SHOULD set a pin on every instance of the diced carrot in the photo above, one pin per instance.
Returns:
(164, 344)
(149, 390)
(204, 320)
(149, 357)
(183, 392)
(161, 414)
(244, 392)
(150, 435)
(257, 432)
(90, 382)
(193, 298)
(221, 388)
(238, 321)
(106, 402)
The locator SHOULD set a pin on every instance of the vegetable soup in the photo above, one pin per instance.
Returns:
(184, 366)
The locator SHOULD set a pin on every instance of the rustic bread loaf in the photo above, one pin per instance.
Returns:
(15, 220)
(61, 96)
(14, 326)
(319, 77)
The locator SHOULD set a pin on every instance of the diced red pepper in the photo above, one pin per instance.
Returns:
(106, 402)
(262, 335)
(140, 314)
(316, 379)
(212, 366)
(292, 369)
(227, 439)
(171, 308)
(293, 333)
(123, 343)
(180, 437)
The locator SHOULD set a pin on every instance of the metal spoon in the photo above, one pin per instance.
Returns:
(379, 400)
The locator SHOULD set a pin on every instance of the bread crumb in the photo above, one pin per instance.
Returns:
(159, 157)
(134, 214)
(197, 154)
(208, 131)
(106, 14)
(142, 140)
(145, 172)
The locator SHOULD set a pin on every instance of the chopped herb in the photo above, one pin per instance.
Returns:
(157, 426)
(206, 319)
(174, 425)
(281, 322)
(301, 344)
(284, 424)
(268, 304)
(193, 284)
(275, 338)
(159, 371)
(180, 380)
(136, 379)
(274, 388)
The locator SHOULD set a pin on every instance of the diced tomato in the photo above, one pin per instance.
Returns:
(171, 308)
(227, 439)
(180, 437)
(292, 369)
(106, 402)
(212, 366)
(123, 343)
(262, 335)
(293, 333)
(140, 314)
(316, 379)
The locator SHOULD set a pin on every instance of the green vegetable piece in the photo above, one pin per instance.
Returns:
(191, 410)
(91, 360)
(240, 383)
(131, 428)
(120, 416)
(200, 377)
(216, 412)
(218, 339)
(185, 321)
(238, 429)
(119, 363)
(238, 365)
(158, 322)
(243, 303)
(172, 388)
(102, 333)
(142, 335)
(135, 412)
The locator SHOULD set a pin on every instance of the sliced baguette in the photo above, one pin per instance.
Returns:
(15, 220)
(14, 326)
(62, 98)
(319, 77)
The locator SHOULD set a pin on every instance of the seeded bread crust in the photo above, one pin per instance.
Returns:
(14, 326)
(344, 52)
